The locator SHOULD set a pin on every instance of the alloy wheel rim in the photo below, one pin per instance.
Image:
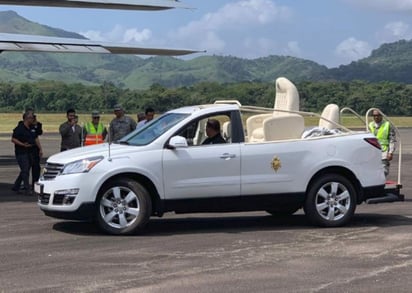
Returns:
(332, 201)
(119, 207)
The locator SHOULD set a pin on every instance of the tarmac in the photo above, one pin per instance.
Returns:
(231, 252)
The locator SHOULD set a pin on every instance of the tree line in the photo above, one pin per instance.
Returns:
(51, 96)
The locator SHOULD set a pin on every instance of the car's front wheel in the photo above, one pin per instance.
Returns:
(330, 201)
(123, 207)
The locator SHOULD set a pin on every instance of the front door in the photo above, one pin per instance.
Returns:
(202, 171)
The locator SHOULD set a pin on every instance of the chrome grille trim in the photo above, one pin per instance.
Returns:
(51, 171)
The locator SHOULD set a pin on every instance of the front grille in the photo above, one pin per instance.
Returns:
(51, 170)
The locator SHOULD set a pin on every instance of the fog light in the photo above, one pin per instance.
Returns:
(68, 200)
(65, 196)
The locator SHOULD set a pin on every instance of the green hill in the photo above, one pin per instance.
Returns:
(391, 62)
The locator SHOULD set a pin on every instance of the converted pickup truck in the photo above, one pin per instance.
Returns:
(272, 161)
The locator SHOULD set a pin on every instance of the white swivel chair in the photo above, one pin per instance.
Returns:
(264, 127)
(331, 113)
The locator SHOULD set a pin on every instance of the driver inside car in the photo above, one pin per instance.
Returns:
(213, 132)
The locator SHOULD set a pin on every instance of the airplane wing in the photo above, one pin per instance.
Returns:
(105, 4)
(23, 43)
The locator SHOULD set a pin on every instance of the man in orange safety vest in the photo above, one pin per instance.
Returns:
(94, 132)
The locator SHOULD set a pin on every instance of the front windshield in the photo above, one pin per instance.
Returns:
(149, 132)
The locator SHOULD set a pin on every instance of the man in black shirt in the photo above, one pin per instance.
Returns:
(24, 141)
(213, 132)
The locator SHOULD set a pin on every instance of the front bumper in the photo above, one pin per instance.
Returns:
(52, 206)
(67, 197)
(86, 212)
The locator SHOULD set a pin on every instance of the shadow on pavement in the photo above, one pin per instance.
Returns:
(195, 225)
(236, 224)
(8, 195)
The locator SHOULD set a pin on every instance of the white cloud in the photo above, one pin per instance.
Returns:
(394, 31)
(93, 35)
(133, 35)
(119, 34)
(352, 49)
(237, 28)
(231, 23)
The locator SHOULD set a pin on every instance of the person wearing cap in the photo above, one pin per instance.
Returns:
(94, 132)
(386, 135)
(121, 125)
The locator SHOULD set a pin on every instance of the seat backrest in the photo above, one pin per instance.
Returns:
(330, 112)
(227, 131)
(289, 126)
(287, 96)
(254, 127)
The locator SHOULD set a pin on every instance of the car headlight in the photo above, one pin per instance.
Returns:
(81, 166)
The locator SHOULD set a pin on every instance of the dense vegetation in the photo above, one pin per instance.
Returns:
(392, 98)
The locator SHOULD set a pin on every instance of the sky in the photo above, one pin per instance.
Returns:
(329, 32)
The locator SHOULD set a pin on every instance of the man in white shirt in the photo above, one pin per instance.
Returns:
(149, 115)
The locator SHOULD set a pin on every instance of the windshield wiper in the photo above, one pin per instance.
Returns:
(124, 142)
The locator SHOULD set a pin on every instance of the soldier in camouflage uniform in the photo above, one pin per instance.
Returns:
(121, 124)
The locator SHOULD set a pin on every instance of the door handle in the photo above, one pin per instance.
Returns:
(227, 156)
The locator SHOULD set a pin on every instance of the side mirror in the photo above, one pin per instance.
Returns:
(177, 142)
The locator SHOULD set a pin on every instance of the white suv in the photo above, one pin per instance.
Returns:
(164, 167)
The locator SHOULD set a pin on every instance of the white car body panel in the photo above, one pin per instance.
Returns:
(202, 171)
(311, 154)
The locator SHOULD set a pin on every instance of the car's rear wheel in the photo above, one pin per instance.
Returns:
(123, 207)
(331, 201)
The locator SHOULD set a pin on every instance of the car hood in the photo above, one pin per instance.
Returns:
(91, 151)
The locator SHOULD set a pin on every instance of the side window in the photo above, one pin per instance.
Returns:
(210, 129)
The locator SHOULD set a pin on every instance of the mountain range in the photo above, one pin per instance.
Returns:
(389, 62)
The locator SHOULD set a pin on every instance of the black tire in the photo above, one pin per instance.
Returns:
(283, 212)
(123, 206)
(330, 201)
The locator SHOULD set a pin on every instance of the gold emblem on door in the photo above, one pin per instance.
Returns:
(276, 164)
